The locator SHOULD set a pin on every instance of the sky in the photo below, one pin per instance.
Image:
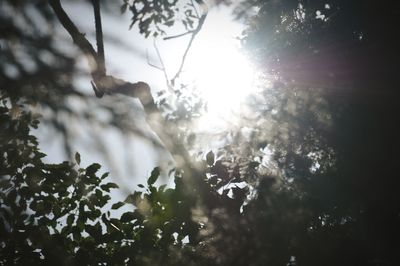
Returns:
(214, 63)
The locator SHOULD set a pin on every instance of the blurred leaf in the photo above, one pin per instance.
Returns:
(93, 168)
(117, 205)
(108, 186)
(210, 158)
(133, 198)
(154, 176)
(78, 158)
(123, 8)
(128, 216)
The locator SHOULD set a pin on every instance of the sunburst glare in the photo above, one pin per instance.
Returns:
(224, 77)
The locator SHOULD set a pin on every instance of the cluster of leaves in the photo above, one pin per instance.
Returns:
(61, 212)
(154, 16)
(52, 213)
(46, 210)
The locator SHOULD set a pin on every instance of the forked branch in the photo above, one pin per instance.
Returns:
(194, 33)
(106, 84)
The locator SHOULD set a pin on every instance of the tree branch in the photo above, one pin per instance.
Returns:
(99, 37)
(194, 34)
(178, 35)
(106, 84)
(78, 37)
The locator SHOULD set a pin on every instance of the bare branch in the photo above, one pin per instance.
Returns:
(162, 63)
(106, 84)
(78, 37)
(99, 37)
(165, 130)
(194, 34)
(177, 36)
(151, 64)
(80, 40)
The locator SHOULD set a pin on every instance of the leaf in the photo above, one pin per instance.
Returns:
(154, 176)
(117, 205)
(133, 198)
(140, 185)
(210, 158)
(128, 216)
(106, 187)
(78, 158)
(253, 164)
(105, 175)
(123, 8)
(94, 231)
(93, 168)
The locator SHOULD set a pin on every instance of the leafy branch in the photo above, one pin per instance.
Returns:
(107, 84)
(194, 33)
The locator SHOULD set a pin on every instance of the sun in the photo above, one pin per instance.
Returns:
(223, 75)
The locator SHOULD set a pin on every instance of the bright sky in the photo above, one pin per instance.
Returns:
(214, 63)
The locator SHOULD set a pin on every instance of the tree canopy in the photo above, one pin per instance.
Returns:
(308, 178)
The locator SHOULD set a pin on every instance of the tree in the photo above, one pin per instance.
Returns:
(326, 196)
(334, 46)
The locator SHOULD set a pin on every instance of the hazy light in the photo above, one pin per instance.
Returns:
(223, 75)
(217, 68)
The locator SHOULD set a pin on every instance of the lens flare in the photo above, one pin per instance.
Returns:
(223, 76)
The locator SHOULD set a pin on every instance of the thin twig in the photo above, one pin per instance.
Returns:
(194, 34)
(178, 35)
(151, 64)
(195, 9)
(161, 62)
(190, 31)
(78, 38)
(165, 130)
(99, 37)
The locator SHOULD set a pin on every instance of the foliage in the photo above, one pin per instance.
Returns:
(57, 212)
(153, 17)
(316, 183)
(46, 208)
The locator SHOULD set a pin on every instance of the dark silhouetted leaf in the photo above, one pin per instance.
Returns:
(154, 176)
(117, 205)
(78, 158)
(210, 158)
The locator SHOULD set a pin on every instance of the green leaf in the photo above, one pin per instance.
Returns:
(93, 168)
(128, 216)
(105, 175)
(78, 158)
(117, 205)
(108, 186)
(154, 176)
